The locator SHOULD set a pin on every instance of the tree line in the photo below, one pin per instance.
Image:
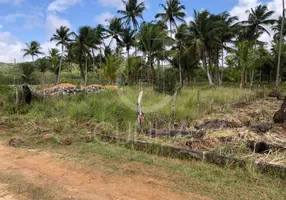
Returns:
(218, 45)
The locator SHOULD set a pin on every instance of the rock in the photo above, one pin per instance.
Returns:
(275, 94)
(16, 142)
(67, 141)
(260, 128)
(280, 115)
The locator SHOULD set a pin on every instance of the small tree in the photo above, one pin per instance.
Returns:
(166, 81)
(26, 71)
(110, 68)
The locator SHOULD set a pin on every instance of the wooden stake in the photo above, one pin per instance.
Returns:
(174, 104)
(140, 111)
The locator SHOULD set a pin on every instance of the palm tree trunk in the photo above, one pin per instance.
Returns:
(222, 66)
(180, 69)
(207, 70)
(181, 76)
(280, 47)
(170, 29)
(251, 77)
(93, 64)
(85, 75)
(241, 79)
(60, 67)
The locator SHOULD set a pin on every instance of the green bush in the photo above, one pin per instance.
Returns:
(166, 81)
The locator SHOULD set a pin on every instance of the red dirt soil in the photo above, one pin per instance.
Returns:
(72, 180)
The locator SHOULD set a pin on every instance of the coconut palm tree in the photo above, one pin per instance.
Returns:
(173, 11)
(281, 37)
(82, 47)
(33, 49)
(205, 30)
(62, 37)
(228, 31)
(42, 64)
(152, 41)
(128, 39)
(54, 58)
(114, 29)
(277, 28)
(258, 19)
(110, 68)
(132, 11)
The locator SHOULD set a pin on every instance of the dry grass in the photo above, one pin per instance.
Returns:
(17, 185)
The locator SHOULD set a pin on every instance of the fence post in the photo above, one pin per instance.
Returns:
(174, 104)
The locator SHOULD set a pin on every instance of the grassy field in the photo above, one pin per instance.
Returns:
(74, 118)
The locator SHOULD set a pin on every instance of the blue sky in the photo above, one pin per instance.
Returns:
(25, 20)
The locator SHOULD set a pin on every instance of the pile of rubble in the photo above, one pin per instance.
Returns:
(66, 89)
(93, 88)
(63, 89)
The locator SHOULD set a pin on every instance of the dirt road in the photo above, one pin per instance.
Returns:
(70, 180)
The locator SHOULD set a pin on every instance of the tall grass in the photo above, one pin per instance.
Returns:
(110, 106)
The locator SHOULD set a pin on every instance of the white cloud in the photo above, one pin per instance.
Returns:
(11, 47)
(6, 37)
(53, 22)
(12, 17)
(241, 8)
(15, 2)
(10, 51)
(61, 5)
(1, 26)
(112, 3)
(101, 18)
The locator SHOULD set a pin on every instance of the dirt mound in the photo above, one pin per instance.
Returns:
(93, 85)
(199, 144)
(112, 87)
(65, 85)
(260, 128)
(15, 142)
(275, 94)
(217, 124)
(280, 115)
(263, 147)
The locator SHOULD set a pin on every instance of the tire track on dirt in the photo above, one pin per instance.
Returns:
(70, 180)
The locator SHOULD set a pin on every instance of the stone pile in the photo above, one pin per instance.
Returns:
(93, 88)
(67, 89)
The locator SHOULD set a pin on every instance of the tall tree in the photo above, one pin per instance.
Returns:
(82, 50)
(62, 37)
(205, 32)
(33, 49)
(128, 38)
(114, 29)
(54, 58)
(228, 31)
(132, 11)
(258, 19)
(153, 42)
(173, 10)
(281, 37)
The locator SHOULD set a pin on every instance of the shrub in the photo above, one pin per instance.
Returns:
(166, 80)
